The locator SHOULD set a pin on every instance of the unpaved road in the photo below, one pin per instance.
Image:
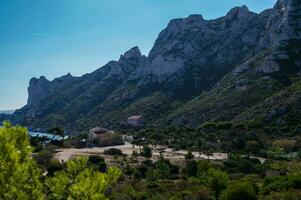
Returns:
(64, 155)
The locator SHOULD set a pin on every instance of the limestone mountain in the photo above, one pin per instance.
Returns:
(242, 66)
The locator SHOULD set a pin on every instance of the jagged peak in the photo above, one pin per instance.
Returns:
(239, 11)
(43, 78)
(132, 53)
(69, 75)
(40, 79)
(189, 19)
(194, 17)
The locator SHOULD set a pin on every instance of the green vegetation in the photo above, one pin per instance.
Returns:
(146, 151)
(113, 151)
(249, 138)
(109, 140)
(25, 175)
(20, 177)
(19, 174)
(78, 181)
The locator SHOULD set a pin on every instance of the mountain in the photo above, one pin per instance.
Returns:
(239, 67)
(7, 111)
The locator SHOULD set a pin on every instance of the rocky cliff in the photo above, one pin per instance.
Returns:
(198, 70)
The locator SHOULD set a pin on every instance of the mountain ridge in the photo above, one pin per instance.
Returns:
(187, 78)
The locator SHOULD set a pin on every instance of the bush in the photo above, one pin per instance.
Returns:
(140, 172)
(217, 180)
(239, 190)
(44, 157)
(281, 183)
(284, 195)
(98, 162)
(192, 168)
(189, 155)
(200, 193)
(113, 152)
(54, 166)
(146, 152)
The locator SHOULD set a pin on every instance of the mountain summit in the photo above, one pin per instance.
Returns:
(237, 67)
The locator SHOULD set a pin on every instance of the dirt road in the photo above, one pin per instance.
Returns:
(64, 155)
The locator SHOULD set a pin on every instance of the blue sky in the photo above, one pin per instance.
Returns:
(54, 37)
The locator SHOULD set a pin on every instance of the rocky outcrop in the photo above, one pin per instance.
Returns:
(284, 24)
(40, 88)
(37, 90)
(216, 43)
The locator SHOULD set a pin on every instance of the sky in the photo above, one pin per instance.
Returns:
(54, 37)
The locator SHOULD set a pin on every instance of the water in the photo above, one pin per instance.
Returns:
(47, 135)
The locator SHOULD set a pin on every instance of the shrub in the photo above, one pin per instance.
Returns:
(113, 152)
(189, 155)
(281, 183)
(54, 166)
(192, 168)
(140, 171)
(98, 162)
(146, 151)
(110, 139)
(286, 145)
(239, 190)
(44, 157)
(284, 195)
(217, 180)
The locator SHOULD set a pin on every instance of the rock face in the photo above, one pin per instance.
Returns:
(135, 120)
(219, 43)
(40, 88)
(196, 69)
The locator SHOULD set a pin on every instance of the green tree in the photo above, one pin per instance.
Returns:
(155, 139)
(79, 181)
(163, 170)
(192, 168)
(146, 152)
(200, 144)
(284, 195)
(275, 152)
(217, 180)
(286, 145)
(151, 175)
(56, 131)
(203, 167)
(189, 155)
(19, 175)
(253, 146)
(98, 162)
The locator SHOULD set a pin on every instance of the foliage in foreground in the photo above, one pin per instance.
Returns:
(79, 181)
(20, 178)
(19, 174)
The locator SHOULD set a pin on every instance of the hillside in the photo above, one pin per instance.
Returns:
(240, 67)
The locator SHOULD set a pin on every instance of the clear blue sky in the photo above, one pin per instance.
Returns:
(54, 37)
